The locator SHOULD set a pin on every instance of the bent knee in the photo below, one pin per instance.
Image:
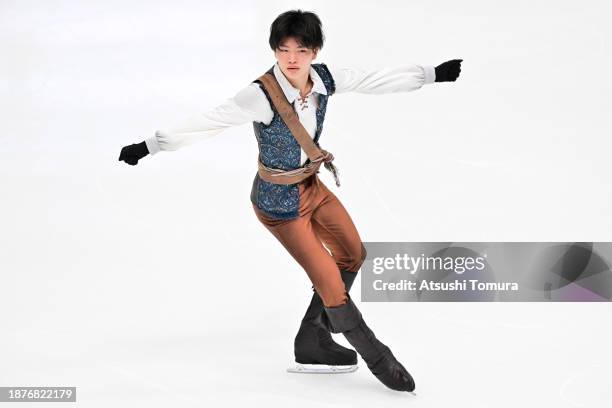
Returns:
(355, 261)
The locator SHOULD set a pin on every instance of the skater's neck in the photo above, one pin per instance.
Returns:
(303, 84)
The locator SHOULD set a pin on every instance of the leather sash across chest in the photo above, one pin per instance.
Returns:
(317, 156)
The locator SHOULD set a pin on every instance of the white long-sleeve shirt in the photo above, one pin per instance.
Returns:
(251, 105)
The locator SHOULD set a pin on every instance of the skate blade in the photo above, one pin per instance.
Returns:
(322, 369)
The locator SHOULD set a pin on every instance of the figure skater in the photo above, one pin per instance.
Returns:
(287, 107)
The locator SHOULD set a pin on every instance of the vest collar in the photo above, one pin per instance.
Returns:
(292, 93)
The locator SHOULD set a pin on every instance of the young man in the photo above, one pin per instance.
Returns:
(288, 197)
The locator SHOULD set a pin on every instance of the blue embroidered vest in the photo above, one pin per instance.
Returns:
(279, 149)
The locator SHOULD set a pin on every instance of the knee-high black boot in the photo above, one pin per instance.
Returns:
(313, 343)
(347, 319)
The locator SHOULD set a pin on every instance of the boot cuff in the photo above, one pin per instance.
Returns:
(343, 318)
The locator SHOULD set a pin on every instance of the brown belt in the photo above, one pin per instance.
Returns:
(278, 176)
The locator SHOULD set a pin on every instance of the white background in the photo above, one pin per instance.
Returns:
(156, 285)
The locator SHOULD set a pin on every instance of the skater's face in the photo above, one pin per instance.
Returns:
(294, 59)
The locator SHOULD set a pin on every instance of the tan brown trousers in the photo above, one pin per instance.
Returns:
(322, 220)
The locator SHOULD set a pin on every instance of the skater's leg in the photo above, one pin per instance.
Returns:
(332, 224)
(313, 343)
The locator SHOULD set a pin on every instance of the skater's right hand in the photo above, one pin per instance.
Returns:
(134, 152)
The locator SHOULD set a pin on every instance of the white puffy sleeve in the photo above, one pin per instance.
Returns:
(403, 78)
(248, 105)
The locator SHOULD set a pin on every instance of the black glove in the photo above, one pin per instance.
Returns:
(134, 152)
(448, 71)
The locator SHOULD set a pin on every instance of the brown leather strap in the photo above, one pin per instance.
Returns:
(317, 156)
(288, 115)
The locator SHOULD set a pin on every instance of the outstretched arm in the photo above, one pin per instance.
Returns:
(403, 78)
(248, 105)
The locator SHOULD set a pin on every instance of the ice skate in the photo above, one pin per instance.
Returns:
(315, 350)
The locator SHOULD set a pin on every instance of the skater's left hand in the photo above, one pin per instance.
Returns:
(448, 71)
(134, 152)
